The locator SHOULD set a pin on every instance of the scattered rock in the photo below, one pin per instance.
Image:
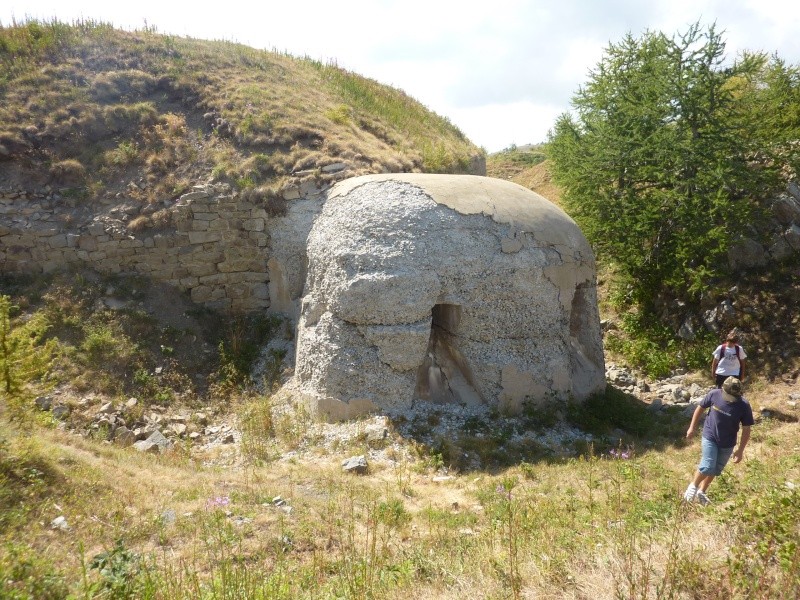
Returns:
(60, 523)
(61, 411)
(44, 402)
(376, 435)
(155, 443)
(106, 408)
(124, 436)
(169, 516)
(355, 464)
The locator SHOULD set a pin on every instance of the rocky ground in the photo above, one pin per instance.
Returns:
(213, 435)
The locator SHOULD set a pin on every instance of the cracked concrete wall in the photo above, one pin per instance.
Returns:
(445, 288)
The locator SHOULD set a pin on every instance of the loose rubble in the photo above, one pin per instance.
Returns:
(214, 436)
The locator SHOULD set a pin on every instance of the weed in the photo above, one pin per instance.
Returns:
(126, 153)
(245, 338)
(120, 571)
(24, 352)
(255, 420)
(766, 554)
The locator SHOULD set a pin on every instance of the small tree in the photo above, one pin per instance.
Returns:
(25, 355)
(6, 345)
(660, 161)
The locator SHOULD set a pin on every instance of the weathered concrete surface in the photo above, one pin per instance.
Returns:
(444, 289)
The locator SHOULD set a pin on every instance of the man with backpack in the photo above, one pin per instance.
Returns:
(729, 359)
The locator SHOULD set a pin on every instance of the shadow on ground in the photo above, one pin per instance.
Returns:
(609, 423)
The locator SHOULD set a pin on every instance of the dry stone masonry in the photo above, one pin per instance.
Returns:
(445, 289)
(215, 245)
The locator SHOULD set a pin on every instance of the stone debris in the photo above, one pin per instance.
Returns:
(61, 411)
(44, 403)
(124, 436)
(155, 443)
(355, 464)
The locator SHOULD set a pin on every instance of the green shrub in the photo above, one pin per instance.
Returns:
(653, 348)
(26, 575)
(25, 353)
(244, 341)
(122, 574)
(126, 153)
(100, 342)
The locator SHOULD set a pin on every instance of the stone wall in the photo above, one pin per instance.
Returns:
(213, 244)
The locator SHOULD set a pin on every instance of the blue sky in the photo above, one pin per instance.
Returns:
(501, 70)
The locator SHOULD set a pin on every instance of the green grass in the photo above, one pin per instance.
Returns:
(598, 525)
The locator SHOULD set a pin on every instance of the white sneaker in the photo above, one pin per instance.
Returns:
(702, 498)
(690, 492)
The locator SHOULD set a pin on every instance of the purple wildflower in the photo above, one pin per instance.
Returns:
(218, 502)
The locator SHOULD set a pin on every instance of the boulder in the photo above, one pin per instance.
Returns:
(786, 209)
(155, 443)
(746, 254)
(355, 464)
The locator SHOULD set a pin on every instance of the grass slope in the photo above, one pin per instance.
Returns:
(92, 108)
(273, 516)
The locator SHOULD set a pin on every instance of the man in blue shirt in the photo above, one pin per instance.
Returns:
(728, 410)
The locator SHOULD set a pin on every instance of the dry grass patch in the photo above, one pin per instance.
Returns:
(595, 527)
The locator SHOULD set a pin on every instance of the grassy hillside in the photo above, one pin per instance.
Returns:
(580, 502)
(527, 166)
(101, 111)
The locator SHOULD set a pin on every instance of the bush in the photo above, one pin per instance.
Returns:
(68, 172)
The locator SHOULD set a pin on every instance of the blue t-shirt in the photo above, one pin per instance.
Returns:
(722, 422)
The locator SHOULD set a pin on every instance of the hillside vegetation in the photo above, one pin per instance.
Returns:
(99, 110)
(528, 166)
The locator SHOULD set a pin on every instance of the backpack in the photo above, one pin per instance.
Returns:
(722, 351)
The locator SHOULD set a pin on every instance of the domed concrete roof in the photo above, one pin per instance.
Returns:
(444, 288)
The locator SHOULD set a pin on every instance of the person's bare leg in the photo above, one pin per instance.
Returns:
(706, 481)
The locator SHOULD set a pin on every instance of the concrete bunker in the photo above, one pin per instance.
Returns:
(445, 289)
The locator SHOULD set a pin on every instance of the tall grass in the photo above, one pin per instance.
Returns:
(605, 525)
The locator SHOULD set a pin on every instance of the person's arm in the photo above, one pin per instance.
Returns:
(743, 439)
(714, 364)
(695, 418)
(741, 368)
